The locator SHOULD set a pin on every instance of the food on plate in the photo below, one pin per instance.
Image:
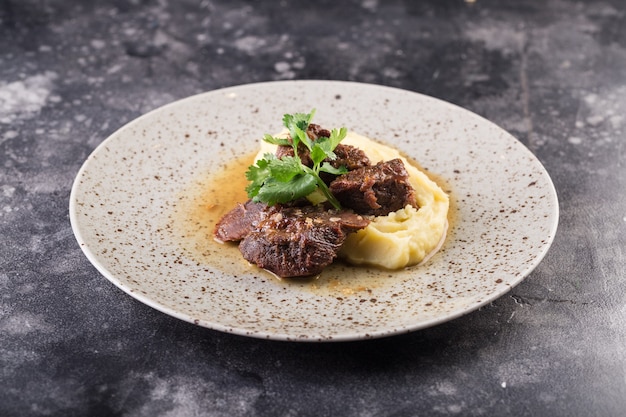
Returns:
(289, 240)
(315, 195)
(405, 237)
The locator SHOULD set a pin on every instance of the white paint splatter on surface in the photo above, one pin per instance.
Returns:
(369, 4)
(249, 44)
(284, 70)
(497, 36)
(189, 396)
(98, 43)
(10, 134)
(25, 98)
(605, 106)
(446, 388)
(282, 66)
(574, 140)
(14, 358)
(24, 323)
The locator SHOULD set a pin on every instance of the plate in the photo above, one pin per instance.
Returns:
(140, 206)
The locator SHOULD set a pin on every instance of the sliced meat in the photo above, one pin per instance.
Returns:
(375, 190)
(350, 157)
(299, 241)
(315, 131)
(237, 223)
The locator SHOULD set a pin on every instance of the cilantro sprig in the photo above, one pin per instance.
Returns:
(274, 180)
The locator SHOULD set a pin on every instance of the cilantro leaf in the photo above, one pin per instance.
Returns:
(274, 191)
(285, 169)
(318, 154)
(324, 146)
(297, 125)
(326, 167)
(276, 141)
(274, 180)
(337, 136)
(299, 121)
(257, 174)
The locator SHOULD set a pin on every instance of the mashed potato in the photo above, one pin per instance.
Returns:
(405, 237)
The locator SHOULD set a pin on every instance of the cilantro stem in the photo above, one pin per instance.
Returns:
(331, 198)
(323, 187)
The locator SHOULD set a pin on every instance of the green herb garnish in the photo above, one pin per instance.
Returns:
(274, 180)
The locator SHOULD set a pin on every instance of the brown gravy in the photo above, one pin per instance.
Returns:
(211, 195)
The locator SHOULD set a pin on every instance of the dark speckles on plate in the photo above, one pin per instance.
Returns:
(126, 195)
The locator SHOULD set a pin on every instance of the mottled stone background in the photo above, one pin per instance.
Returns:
(552, 72)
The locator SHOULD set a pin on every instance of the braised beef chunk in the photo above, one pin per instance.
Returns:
(303, 153)
(316, 131)
(299, 241)
(237, 223)
(377, 190)
(348, 156)
(289, 241)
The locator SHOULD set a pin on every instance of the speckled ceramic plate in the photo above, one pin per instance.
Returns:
(143, 204)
